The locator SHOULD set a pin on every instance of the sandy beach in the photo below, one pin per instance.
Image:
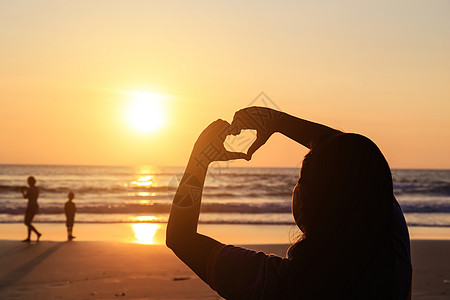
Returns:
(95, 270)
(125, 269)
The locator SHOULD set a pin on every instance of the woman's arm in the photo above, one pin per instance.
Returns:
(267, 121)
(304, 132)
(191, 247)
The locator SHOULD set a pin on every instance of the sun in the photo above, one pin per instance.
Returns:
(145, 112)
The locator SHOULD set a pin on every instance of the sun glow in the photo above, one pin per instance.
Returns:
(146, 111)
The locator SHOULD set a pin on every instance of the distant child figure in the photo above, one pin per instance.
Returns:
(32, 194)
(69, 210)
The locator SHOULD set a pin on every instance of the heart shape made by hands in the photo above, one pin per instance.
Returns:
(241, 142)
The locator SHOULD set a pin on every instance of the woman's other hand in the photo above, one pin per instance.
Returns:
(209, 146)
(262, 119)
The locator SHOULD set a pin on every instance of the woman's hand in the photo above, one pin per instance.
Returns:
(262, 119)
(24, 191)
(209, 145)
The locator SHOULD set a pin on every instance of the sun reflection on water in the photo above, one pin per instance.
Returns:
(143, 181)
(145, 233)
(145, 218)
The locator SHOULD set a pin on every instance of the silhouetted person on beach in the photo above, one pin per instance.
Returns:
(31, 193)
(69, 210)
(354, 243)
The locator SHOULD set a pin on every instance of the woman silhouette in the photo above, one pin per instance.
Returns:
(32, 194)
(355, 243)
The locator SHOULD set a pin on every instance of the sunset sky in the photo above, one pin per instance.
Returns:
(71, 72)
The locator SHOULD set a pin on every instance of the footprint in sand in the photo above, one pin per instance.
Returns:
(181, 278)
(59, 284)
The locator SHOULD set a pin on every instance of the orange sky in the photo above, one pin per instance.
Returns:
(380, 68)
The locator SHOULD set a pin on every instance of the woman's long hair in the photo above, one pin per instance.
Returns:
(343, 204)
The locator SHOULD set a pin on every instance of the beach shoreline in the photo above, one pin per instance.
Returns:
(154, 233)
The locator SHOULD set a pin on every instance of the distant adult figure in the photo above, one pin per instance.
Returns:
(355, 243)
(69, 210)
(31, 193)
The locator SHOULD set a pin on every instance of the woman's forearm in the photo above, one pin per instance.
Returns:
(267, 121)
(181, 235)
(191, 247)
(302, 131)
(185, 209)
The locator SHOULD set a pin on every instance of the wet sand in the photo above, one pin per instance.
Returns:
(129, 270)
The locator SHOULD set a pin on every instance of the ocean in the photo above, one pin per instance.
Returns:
(231, 195)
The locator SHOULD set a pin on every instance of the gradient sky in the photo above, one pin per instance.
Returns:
(379, 68)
